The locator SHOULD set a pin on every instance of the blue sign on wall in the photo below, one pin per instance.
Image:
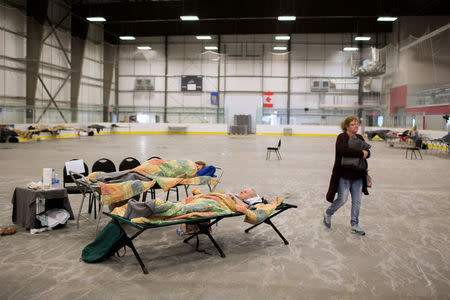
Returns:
(214, 98)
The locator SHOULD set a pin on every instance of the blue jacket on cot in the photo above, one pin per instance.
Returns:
(207, 171)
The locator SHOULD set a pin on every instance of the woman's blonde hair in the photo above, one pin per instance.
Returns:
(346, 122)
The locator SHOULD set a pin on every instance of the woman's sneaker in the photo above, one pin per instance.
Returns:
(356, 229)
(327, 220)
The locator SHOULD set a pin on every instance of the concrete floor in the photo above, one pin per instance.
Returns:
(404, 254)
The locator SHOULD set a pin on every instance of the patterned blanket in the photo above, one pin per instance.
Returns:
(204, 205)
(165, 173)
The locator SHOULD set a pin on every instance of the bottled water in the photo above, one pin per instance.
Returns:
(180, 232)
(55, 181)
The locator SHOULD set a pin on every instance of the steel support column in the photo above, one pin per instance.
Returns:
(360, 84)
(116, 90)
(109, 58)
(289, 84)
(79, 33)
(36, 16)
(166, 53)
(218, 78)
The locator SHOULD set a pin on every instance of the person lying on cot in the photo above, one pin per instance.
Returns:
(250, 197)
(247, 195)
(135, 209)
(204, 170)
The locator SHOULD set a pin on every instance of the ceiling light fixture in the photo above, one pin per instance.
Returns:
(127, 38)
(386, 19)
(189, 18)
(351, 49)
(282, 38)
(287, 18)
(96, 19)
(144, 48)
(203, 37)
(280, 48)
(211, 48)
(362, 38)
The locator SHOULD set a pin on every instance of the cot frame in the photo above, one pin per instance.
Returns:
(204, 224)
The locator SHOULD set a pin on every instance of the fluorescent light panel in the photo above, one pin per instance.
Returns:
(350, 48)
(189, 18)
(282, 38)
(211, 48)
(280, 48)
(144, 48)
(362, 38)
(203, 37)
(127, 38)
(96, 19)
(287, 18)
(386, 19)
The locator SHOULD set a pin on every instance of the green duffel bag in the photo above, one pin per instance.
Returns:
(108, 242)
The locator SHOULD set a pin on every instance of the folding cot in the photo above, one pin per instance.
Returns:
(203, 224)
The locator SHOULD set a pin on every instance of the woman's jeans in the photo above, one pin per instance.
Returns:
(346, 186)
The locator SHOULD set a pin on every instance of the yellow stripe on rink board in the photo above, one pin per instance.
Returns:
(296, 134)
(167, 132)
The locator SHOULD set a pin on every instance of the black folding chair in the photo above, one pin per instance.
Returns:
(152, 157)
(416, 148)
(274, 149)
(69, 183)
(72, 187)
(128, 163)
(83, 184)
(103, 165)
(152, 190)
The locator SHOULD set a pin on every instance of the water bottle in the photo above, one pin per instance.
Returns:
(180, 231)
(55, 181)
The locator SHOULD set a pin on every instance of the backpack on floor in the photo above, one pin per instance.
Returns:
(108, 242)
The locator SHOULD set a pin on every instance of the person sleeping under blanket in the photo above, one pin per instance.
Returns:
(204, 170)
(247, 202)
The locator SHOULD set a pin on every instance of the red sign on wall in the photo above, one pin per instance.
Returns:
(268, 99)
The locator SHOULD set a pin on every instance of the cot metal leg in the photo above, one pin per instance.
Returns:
(269, 222)
(420, 154)
(186, 187)
(256, 225)
(215, 243)
(130, 244)
(277, 231)
(204, 229)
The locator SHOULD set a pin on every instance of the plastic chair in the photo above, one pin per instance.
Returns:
(128, 163)
(274, 149)
(103, 165)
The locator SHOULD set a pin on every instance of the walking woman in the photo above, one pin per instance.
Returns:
(347, 180)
